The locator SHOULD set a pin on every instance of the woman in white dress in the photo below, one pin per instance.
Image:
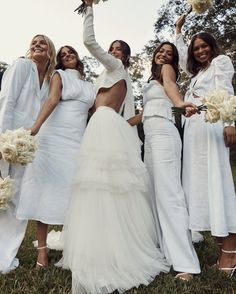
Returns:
(109, 232)
(46, 187)
(163, 159)
(25, 85)
(207, 176)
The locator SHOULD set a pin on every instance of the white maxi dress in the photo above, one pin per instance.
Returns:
(46, 186)
(20, 101)
(207, 175)
(109, 232)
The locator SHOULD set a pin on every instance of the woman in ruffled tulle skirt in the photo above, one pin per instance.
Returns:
(110, 241)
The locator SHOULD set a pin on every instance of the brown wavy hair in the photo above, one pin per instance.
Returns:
(192, 65)
(125, 50)
(79, 65)
(156, 68)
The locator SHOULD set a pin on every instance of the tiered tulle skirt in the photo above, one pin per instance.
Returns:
(109, 236)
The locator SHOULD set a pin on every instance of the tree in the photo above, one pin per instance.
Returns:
(3, 67)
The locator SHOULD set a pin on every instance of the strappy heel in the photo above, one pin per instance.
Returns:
(228, 270)
(184, 276)
(39, 264)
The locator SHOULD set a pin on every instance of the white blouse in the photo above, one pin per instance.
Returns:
(156, 102)
(114, 69)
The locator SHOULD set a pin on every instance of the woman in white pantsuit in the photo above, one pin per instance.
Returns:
(163, 160)
(207, 175)
(24, 87)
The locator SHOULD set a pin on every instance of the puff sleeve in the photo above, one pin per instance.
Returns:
(183, 51)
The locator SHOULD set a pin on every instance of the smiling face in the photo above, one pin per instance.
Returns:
(164, 55)
(116, 50)
(202, 52)
(68, 58)
(39, 48)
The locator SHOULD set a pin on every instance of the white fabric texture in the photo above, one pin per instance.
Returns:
(109, 232)
(163, 160)
(114, 69)
(46, 186)
(20, 102)
(207, 175)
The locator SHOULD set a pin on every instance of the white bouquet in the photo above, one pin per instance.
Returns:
(17, 146)
(82, 8)
(7, 190)
(220, 106)
(200, 6)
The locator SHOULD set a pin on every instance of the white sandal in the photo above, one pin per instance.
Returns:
(184, 276)
(39, 264)
(228, 270)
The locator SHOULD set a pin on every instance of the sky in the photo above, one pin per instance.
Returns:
(130, 20)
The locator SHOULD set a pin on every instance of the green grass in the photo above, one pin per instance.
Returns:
(27, 280)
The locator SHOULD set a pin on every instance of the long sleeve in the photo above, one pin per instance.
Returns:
(12, 83)
(223, 73)
(109, 62)
(183, 52)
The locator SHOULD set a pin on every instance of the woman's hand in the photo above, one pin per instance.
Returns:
(179, 23)
(34, 130)
(190, 108)
(229, 136)
(88, 2)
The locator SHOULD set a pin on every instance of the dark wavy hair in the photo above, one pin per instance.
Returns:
(156, 68)
(125, 50)
(79, 65)
(192, 65)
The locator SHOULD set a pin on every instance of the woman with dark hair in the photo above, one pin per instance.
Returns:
(109, 233)
(207, 175)
(61, 123)
(162, 157)
(25, 85)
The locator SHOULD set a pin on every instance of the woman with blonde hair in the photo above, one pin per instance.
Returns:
(25, 85)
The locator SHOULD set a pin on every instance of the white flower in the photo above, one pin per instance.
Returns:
(7, 190)
(200, 6)
(18, 146)
(220, 106)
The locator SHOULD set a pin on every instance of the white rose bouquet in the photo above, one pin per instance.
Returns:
(17, 146)
(218, 106)
(7, 190)
(200, 6)
(82, 8)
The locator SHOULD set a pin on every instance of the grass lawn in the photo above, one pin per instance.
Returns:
(27, 280)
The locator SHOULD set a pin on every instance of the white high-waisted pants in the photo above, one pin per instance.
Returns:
(163, 159)
(12, 230)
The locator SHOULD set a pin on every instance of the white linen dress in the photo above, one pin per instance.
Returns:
(207, 175)
(163, 160)
(20, 101)
(46, 186)
(109, 232)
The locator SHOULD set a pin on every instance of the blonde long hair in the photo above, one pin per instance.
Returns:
(51, 55)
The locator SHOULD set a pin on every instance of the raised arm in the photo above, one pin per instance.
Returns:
(109, 61)
(179, 42)
(49, 104)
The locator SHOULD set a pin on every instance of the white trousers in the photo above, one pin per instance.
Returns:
(12, 230)
(163, 161)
